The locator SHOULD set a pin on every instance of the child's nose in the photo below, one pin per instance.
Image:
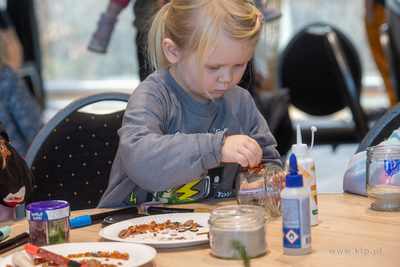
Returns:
(225, 77)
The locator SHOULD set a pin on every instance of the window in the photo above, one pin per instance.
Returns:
(65, 29)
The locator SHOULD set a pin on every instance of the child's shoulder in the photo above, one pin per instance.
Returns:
(155, 83)
(238, 94)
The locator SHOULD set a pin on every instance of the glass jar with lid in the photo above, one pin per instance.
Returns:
(245, 224)
(261, 186)
(383, 177)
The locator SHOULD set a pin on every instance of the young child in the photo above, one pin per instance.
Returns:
(188, 129)
(16, 179)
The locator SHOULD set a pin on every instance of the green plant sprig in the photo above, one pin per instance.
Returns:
(237, 245)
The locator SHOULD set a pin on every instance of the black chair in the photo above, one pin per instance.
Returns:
(72, 155)
(391, 55)
(274, 106)
(382, 129)
(322, 71)
(29, 73)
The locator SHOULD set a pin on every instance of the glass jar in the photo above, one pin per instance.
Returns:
(48, 222)
(246, 225)
(383, 177)
(261, 187)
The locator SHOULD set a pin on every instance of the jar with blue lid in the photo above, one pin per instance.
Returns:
(48, 222)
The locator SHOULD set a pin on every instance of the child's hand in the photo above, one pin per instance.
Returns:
(241, 149)
(279, 183)
(257, 188)
(279, 180)
(253, 186)
(252, 191)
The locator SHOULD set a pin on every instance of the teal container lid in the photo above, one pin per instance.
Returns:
(4, 232)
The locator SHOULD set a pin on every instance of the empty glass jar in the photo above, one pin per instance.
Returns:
(261, 187)
(383, 177)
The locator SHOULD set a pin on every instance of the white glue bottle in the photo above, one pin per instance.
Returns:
(306, 166)
(295, 207)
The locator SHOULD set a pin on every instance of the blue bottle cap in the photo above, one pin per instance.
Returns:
(293, 178)
(5, 231)
(80, 221)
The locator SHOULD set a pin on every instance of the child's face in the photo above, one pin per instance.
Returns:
(222, 71)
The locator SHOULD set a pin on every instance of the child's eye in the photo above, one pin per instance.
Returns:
(240, 65)
(213, 67)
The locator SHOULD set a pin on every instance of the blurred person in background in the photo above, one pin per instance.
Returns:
(144, 11)
(19, 110)
(13, 46)
(374, 18)
(393, 20)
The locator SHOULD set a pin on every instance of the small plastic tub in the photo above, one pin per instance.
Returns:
(48, 222)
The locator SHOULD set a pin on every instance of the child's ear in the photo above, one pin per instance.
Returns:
(170, 50)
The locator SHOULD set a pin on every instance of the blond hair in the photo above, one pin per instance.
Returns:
(201, 25)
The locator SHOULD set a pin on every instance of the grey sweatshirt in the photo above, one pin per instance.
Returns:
(170, 145)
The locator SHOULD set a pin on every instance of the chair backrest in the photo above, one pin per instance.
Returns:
(71, 157)
(348, 89)
(391, 56)
(382, 129)
(306, 69)
(28, 72)
(322, 71)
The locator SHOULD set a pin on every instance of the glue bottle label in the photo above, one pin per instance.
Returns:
(307, 169)
(296, 223)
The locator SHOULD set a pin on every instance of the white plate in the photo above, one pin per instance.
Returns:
(111, 232)
(138, 254)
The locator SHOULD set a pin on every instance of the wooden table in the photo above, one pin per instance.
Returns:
(349, 233)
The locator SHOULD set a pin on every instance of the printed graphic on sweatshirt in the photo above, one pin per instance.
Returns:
(213, 180)
(179, 195)
(224, 194)
(137, 196)
(133, 199)
(194, 191)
